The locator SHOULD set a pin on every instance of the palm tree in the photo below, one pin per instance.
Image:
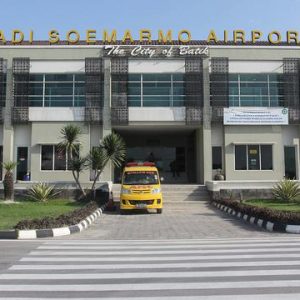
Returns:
(112, 148)
(71, 144)
(77, 165)
(8, 182)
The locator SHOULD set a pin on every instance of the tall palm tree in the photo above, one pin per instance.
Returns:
(112, 148)
(8, 182)
(71, 144)
(77, 165)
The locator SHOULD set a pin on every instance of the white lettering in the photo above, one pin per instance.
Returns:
(114, 50)
(139, 50)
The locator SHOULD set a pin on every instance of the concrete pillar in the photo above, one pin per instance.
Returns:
(206, 135)
(107, 174)
(199, 155)
(8, 130)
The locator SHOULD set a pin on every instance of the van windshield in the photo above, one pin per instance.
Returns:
(140, 177)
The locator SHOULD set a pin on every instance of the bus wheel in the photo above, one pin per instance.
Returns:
(159, 210)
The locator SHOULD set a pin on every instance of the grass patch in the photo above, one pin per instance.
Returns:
(274, 204)
(11, 214)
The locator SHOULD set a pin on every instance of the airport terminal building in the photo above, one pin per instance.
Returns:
(207, 108)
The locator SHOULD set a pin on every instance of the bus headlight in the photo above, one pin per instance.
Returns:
(155, 191)
(125, 191)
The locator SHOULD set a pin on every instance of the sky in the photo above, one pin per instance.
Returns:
(197, 16)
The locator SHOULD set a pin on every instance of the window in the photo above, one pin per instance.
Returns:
(2, 89)
(264, 90)
(216, 158)
(57, 90)
(54, 158)
(253, 157)
(241, 157)
(156, 90)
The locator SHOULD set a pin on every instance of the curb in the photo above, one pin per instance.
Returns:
(42, 233)
(266, 224)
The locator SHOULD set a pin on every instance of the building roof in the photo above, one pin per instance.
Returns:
(153, 42)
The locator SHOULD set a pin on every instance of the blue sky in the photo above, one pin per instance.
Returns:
(197, 16)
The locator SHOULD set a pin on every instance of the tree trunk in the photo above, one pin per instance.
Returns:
(8, 184)
(76, 178)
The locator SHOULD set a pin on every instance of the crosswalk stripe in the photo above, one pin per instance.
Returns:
(214, 241)
(209, 269)
(136, 258)
(182, 274)
(140, 247)
(150, 286)
(208, 297)
(154, 265)
(158, 252)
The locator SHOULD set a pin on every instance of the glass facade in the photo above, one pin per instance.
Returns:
(262, 90)
(156, 90)
(57, 90)
(2, 90)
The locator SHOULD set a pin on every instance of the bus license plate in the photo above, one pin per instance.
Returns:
(141, 205)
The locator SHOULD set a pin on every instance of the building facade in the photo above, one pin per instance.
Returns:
(169, 108)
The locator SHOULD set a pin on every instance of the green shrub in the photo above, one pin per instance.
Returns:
(42, 192)
(286, 190)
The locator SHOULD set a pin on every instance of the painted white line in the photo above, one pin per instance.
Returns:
(155, 265)
(148, 286)
(85, 223)
(265, 238)
(61, 231)
(270, 226)
(27, 234)
(104, 247)
(80, 226)
(225, 297)
(293, 228)
(157, 252)
(260, 222)
(157, 258)
(204, 274)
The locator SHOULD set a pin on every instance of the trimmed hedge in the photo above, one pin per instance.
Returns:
(72, 218)
(285, 217)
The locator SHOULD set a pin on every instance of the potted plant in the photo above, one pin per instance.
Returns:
(219, 175)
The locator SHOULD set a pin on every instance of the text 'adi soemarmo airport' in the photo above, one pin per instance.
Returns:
(214, 106)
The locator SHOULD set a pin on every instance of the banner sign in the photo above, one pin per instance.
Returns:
(161, 37)
(256, 116)
(151, 52)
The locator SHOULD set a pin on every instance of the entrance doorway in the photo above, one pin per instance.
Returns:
(290, 162)
(172, 151)
(22, 159)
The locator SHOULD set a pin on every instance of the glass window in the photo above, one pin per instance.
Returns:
(47, 157)
(253, 157)
(55, 158)
(261, 90)
(57, 90)
(155, 90)
(59, 159)
(216, 158)
(240, 157)
(3, 89)
(266, 157)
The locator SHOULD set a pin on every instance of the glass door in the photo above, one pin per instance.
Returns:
(22, 159)
(290, 162)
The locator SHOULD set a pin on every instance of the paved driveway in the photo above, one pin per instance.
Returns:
(189, 220)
